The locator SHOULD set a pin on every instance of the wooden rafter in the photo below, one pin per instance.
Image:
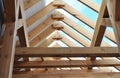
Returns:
(39, 28)
(41, 36)
(91, 4)
(30, 3)
(108, 34)
(40, 14)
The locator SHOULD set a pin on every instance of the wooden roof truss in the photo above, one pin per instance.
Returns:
(30, 57)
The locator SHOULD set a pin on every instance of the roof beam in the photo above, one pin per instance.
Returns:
(68, 42)
(91, 4)
(39, 28)
(72, 63)
(68, 52)
(70, 74)
(75, 36)
(40, 14)
(79, 15)
(41, 36)
(30, 3)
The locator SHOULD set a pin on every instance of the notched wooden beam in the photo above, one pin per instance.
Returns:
(59, 3)
(57, 26)
(57, 16)
(106, 22)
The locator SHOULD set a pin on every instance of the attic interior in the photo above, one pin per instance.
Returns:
(59, 39)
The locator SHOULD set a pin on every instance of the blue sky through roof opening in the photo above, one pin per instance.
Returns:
(98, 1)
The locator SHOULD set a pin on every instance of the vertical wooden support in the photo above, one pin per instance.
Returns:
(21, 32)
(8, 49)
(99, 29)
(23, 37)
(114, 12)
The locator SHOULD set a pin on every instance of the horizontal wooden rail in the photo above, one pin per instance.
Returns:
(73, 63)
(69, 74)
(68, 52)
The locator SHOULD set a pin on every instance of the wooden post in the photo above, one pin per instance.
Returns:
(8, 49)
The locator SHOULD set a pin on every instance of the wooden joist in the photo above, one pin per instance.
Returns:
(55, 72)
(41, 36)
(40, 14)
(79, 15)
(72, 63)
(30, 3)
(91, 4)
(75, 36)
(69, 74)
(36, 31)
(68, 52)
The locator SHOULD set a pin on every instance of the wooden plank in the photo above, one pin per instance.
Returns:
(41, 36)
(30, 3)
(77, 27)
(40, 14)
(8, 49)
(75, 36)
(72, 63)
(39, 28)
(48, 41)
(68, 52)
(91, 4)
(68, 42)
(55, 72)
(80, 29)
(70, 74)
(79, 15)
